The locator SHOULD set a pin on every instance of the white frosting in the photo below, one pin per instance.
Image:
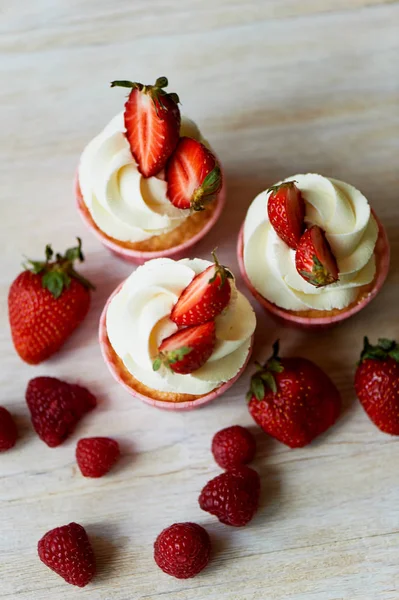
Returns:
(138, 320)
(344, 214)
(122, 203)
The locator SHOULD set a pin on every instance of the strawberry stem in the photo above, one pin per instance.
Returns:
(57, 275)
(156, 91)
(383, 350)
(220, 270)
(170, 357)
(264, 375)
(206, 192)
(279, 186)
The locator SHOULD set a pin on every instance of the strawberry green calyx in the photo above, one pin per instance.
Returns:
(319, 276)
(382, 351)
(170, 357)
(206, 192)
(264, 376)
(57, 274)
(220, 270)
(156, 91)
(286, 184)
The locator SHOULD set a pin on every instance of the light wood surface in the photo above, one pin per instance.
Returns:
(279, 87)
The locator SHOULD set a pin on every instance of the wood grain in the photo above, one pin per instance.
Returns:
(279, 87)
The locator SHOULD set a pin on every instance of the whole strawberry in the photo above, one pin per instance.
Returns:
(8, 430)
(152, 121)
(233, 446)
(205, 297)
(46, 303)
(182, 550)
(96, 456)
(233, 496)
(377, 384)
(56, 407)
(67, 551)
(293, 400)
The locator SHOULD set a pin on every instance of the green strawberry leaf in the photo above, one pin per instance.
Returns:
(258, 388)
(53, 281)
(156, 365)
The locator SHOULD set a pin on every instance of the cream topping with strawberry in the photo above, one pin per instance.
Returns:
(138, 320)
(124, 204)
(140, 176)
(344, 214)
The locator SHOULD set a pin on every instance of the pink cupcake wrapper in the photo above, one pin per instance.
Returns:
(287, 318)
(138, 257)
(189, 405)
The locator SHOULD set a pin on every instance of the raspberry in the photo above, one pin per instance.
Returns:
(182, 550)
(56, 407)
(233, 496)
(67, 551)
(96, 456)
(233, 446)
(8, 430)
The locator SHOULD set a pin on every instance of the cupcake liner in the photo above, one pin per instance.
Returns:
(136, 256)
(286, 318)
(115, 372)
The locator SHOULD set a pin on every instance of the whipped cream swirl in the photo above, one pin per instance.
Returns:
(124, 204)
(138, 320)
(344, 214)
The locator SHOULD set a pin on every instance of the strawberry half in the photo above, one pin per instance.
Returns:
(193, 175)
(152, 121)
(187, 350)
(286, 210)
(205, 297)
(314, 260)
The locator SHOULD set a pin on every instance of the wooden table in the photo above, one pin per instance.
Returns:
(279, 87)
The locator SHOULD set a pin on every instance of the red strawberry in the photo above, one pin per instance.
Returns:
(96, 456)
(377, 384)
(293, 400)
(314, 260)
(67, 551)
(233, 446)
(182, 550)
(188, 349)
(152, 121)
(8, 430)
(193, 175)
(233, 496)
(56, 407)
(46, 303)
(286, 210)
(205, 297)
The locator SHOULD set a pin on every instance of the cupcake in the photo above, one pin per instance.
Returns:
(312, 251)
(177, 334)
(149, 185)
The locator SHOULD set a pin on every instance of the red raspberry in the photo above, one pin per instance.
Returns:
(8, 430)
(56, 407)
(233, 496)
(233, 446)
(67, 551)
(96, 456)
(182, 550)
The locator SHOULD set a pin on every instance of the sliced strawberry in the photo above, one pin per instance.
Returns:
(152, 121)
(193, 175)
(314, 260)
(188, 349)
(286, 210)
(205, 297)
